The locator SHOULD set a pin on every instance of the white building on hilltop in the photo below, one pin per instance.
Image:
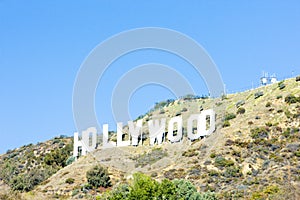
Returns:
(266, 79)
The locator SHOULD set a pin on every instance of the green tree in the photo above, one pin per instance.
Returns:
(208, 196)
(121, 192)
(166, 190)
(98, 177)
(143, 187)
(8, 170)
(18, 183)
(58, 157)
(185, 189)
(26, 182)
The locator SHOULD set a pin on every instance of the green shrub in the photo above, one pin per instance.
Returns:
(75, 192)
(288, 114)
(229, 116)
(226, 123)
(98, 177)
(275, 157)
(142, 187)
(258, 94)
(159, 105)
(18, 183)
(121, 192)
(213, 155)
(213, 173)
(8, 170)
(185, 189)
(297, 153)
(233, 171)
(70, 180)
(240, 103)
(175, 174)
(70, 160)
(281, 85)
(290, 99)
(287, 132)
(190, 97)
(190, 153)
(268, 104)
(58, 157)
(259, 132)
(150, 158)
(56, 141)
(10, 195)
(22, 170)
(257, 196)
(222, 162)
(26, 182)
(271, 189)
(208, 196)
(166, 190)
(241, 110)
(269, 124)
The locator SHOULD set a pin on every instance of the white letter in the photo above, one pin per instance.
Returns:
(86, 139)
(178, 137)
(135, 131)
(190, 133)
(107, 144)
(120, 142)
(75, 145)
(156, 130)
(212, 127)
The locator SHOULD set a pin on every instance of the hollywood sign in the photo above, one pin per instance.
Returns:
(157, 129)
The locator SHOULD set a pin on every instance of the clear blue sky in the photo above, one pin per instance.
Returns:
(43, 43)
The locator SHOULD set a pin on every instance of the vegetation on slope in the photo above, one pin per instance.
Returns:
(142, 187)
(24, 168)
(256, 155)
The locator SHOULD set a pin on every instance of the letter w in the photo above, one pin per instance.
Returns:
(156, 130)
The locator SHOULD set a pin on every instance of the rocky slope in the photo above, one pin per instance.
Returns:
(253, 154)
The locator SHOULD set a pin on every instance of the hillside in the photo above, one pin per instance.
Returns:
(22, 169)
(253, 154)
